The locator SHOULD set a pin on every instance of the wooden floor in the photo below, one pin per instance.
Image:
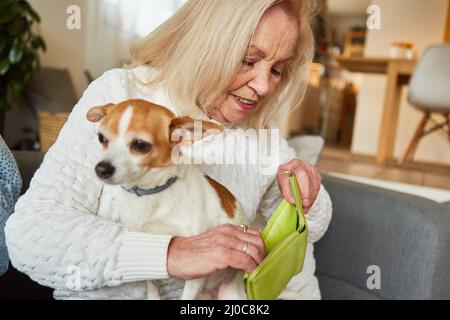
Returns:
(422, 174)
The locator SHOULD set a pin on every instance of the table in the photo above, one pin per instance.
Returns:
(398, 73)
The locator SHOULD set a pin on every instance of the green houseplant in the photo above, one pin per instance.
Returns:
(19, 48)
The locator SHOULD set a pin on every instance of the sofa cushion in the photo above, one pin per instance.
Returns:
(332, 289)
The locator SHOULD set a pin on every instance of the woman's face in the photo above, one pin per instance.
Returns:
(272, 46)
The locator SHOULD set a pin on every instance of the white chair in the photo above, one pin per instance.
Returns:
(429, 92)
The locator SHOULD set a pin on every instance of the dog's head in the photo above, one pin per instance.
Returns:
(138, 136)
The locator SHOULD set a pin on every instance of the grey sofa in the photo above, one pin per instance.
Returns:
(407, 237)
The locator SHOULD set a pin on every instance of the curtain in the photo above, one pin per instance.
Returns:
(112, 25)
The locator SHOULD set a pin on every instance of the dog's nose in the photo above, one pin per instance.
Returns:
(104, 170)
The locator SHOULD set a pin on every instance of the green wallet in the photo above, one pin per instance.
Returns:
(285, 237)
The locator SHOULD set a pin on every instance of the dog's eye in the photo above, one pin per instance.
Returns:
(140, 146)
(102, 139)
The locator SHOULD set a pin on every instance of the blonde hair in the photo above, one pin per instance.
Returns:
(198, 51)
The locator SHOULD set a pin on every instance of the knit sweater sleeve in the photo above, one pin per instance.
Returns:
(55, 236)
(319, 215)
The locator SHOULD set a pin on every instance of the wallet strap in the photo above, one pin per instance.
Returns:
(298, 203)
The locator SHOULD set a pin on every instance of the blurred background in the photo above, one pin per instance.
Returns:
(356, 99)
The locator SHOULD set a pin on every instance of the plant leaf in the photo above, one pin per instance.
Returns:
(2, 45)
(9, 11)
(37, 42)
(17, 89)
(6, 15)
(27, 77)
(34, 15)
(6, 3)
(5, 105)
(16, 53)
(18, 26)
(4, 67)
(19, 47)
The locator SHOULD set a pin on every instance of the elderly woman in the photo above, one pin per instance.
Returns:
(240, 63)
(10, 184)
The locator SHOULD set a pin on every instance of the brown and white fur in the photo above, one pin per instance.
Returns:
(137, 140)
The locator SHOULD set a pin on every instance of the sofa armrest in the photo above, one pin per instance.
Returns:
(407, 237)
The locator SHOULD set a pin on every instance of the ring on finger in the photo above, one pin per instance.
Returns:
(244, 228)
(244, 249)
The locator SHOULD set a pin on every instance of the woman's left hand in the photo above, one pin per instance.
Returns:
(309, 180)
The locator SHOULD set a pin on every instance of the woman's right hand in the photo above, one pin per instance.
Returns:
(220, 248)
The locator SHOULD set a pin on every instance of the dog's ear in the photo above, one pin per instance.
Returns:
(185, 130)
(96, 114)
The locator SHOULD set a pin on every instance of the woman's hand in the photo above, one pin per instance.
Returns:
(225, 246)
(309, 180)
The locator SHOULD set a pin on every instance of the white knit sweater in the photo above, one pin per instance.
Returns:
(66, 234)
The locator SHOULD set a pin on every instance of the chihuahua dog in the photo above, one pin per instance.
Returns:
(158, 195)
